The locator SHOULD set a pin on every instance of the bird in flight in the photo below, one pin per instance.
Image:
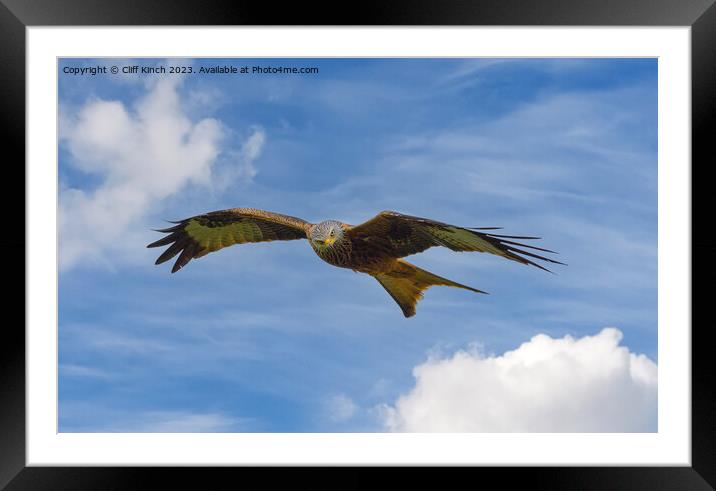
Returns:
(374, 247)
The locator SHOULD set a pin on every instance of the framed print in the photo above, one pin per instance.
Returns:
(556, 141)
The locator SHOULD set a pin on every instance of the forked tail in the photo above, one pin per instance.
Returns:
(406, 284)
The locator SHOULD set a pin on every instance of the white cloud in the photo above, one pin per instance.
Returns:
(589, 384)
(140, 155)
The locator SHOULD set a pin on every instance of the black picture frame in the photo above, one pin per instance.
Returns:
(700, 15)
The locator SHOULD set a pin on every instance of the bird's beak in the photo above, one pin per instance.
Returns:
(330, 240)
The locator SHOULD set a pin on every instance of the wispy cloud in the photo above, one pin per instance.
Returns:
(341, 408)
(238, 165)
(73, 370)
(83, 418)
(540, 151)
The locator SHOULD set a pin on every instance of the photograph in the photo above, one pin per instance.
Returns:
(358, 245)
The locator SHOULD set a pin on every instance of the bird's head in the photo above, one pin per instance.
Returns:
(325, 234)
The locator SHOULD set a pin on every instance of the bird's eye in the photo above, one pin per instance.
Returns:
(333, 233)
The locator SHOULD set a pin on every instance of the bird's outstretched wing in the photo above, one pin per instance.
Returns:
(408, 235)
(197, 236)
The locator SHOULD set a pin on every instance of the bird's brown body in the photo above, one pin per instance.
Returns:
(374, 247)
(371, 255)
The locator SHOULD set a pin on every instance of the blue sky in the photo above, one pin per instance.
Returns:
(266, 337)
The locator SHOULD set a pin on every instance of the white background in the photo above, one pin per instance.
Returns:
(670, 446)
